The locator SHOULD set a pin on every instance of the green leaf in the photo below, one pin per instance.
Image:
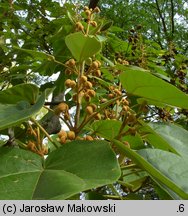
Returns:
(106, 26)
(28, 92)
(176, 136)
(134, 177)
(36, 54)
(81, 46)
(92, 195)
(19, 172)
(155, 169)
(108, 129)
(154, 139)
(171, 165)
(144, 84)
(13, 114)
(74, 167)
(135, 141)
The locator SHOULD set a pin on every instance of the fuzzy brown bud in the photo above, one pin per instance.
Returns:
(95, 65)
(63, 140)
(91, 93)
(68, 71)
(90, 138)
(89, 110)
(72, 63)
(83, 79)
(111, 96)
(62, 107)
(99, 63)
(70, 83)
(94, 106)
(118, 92)
(62, 133)
(86, 8)
(88, 85)
(93, 23)
(87, 97)
(125, 108)
(125, 102)
(79, 26)
(98, 116)
(97, 73)
(96, 10)
(71, 135)
(88, 13)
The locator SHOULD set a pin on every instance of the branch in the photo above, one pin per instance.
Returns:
(172, 17)
(44, 131)
(162, 19)
(93, 4)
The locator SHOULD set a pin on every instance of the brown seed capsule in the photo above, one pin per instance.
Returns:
(111, 88)
(68, 83)
(111, 96)
(99, 63)
(125, 108)
(72, 63)
(125, 102)
(79, 26)
(86, 8)
(72, 84)
(87, 97)
(95, 65)
(118, 92)
(68, 71)
(97, 73)
(96, 10)
(125, 62)
(83, 79)
(98, 116)
(93, 23)
(62, 107)
(71, 135)
(62, 133)
(79, 138)
(90, 138)
(91, 93)
(89, 110)
(63, 140)
(88, 12)
(88, 85)
(93, 106)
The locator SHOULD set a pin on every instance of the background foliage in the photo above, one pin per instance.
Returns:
(93, 103)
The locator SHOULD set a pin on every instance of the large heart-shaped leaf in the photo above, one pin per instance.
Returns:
(75, 167)
(144, 84)
(176, 136)
(154, 138)
(13, 114)
(28, 92)
(81, 46)
(171, 165)
(166, 168)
